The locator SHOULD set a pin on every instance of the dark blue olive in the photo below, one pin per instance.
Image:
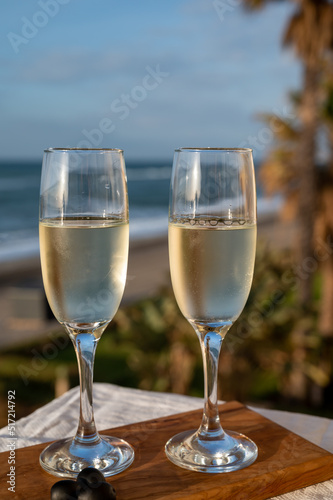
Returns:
(97, 491)
(90, 475)
(64, 490)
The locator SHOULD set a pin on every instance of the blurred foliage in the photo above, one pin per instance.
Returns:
(273, 354)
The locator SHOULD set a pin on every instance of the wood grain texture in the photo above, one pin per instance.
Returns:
(286, 462)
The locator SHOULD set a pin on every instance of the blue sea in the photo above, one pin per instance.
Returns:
(148, 190)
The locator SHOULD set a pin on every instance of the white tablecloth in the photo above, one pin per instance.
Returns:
(115, 406)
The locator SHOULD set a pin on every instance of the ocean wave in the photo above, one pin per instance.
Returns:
(18, 245)
(142, 229)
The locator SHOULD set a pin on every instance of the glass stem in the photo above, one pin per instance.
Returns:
(85, 347)
(211, 343)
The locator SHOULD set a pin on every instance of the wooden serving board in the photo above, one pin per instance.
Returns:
(286, 462)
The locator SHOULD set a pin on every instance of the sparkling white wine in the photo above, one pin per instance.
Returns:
(84, 264)
(211, 268)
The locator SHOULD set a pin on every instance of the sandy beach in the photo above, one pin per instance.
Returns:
(23, 307)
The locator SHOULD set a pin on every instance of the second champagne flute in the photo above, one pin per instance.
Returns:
(84, 236)
(212, 243)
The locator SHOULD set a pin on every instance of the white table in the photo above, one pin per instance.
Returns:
(115, 406)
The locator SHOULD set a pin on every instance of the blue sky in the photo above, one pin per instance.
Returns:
(144, 76)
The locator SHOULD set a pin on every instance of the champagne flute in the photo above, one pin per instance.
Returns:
(84, 237)
(212, 243)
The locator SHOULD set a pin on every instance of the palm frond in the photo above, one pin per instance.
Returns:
(310, 30)
(284, 130)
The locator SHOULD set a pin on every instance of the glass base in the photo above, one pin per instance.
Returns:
(67, 457)
(193, 451)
